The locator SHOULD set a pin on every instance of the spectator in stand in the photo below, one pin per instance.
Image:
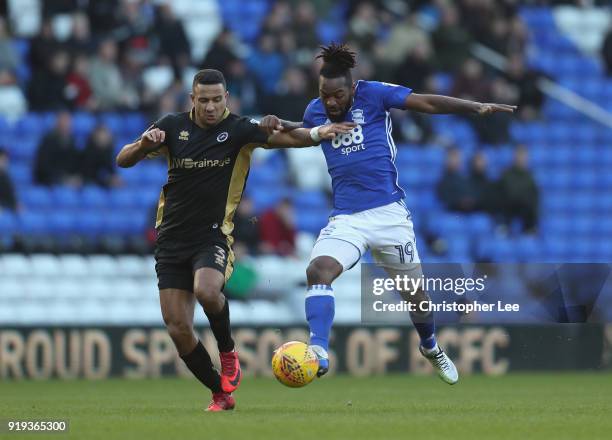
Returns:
(451, 41)
(8, 198)
(170, 32)
(291, 98)
(47, 88)
(454, 189)
(495, 129)
(246, 227)
(363, 27)
(483, 188)
(278, 21)
(78, 89)
(222, 52)
(266, 63)
(105, 77)
(57, 159)
(471, 82)
(8, 57)
(519, 192)
(98, 161)
(244, 86)
(530, 98)
(80, 41)
(103, 15)
(277, 229)
(305, 25)
(606, 51)
(43, 46)
(13, 103)
(407, 42)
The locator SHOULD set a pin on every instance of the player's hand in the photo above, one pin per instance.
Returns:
(490, 108)
(152, 139)
(271, 124)
(329, 131)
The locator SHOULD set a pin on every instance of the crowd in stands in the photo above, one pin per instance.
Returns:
(136, 55)
(513, 196)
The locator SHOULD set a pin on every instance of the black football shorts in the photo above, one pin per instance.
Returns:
(176, 265)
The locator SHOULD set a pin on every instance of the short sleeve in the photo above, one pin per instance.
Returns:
(308, 119)
(251, 133)
(163, 123)
(393, 95)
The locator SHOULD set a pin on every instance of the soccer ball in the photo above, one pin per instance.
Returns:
(294, 364)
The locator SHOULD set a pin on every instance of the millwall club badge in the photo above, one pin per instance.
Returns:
(358, 116)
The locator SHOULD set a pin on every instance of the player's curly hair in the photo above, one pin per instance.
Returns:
(338, 60)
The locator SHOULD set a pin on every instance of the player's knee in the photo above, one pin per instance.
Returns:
(178, 329)
(208, 296)
(323, 271)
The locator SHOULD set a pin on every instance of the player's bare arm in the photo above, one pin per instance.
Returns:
(150, 141)
(303, 137)
(440, 104)
(271, 123)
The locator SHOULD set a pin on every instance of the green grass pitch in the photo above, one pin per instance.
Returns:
(518, 406)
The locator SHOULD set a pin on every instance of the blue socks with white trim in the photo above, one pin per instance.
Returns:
(320, 309)
(426, 327)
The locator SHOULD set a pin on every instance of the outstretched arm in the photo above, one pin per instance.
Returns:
(150, 141)
(440, 104)
(304, 137)
(271, 123)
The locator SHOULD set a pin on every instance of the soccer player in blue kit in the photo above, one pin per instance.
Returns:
(369, 209)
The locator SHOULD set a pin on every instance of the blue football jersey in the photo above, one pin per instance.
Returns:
(362, 163)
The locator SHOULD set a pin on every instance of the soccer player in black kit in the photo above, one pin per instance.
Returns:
(208, 151)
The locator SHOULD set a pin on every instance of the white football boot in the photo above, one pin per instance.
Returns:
(443, 365)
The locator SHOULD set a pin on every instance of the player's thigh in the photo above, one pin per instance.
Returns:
(177, 307)
(173, 269)
(212, 266)
(341, 241)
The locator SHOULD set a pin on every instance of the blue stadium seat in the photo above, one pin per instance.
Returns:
(304, 200)
(9, 223)
(132, 222)
(480, 224)
(329, 31)
(20, 173)
(114, 121)
(89, 223)
(124, 198)
(95, 197)
(62, 222)
(65, 198)
(311, 220)
(34, 223)
(36, 197)
(266, 198)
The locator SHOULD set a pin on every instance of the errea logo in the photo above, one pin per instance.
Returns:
(184, 135)
(222, 137)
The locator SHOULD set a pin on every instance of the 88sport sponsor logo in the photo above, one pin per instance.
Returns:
(350, 142)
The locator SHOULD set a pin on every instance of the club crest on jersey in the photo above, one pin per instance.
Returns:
(222, 137)
(358, 116)
(184, 135)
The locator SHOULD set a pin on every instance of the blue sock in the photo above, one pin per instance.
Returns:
(320, 309)
(426, 328)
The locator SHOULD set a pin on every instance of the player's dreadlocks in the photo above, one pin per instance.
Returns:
(338, 60)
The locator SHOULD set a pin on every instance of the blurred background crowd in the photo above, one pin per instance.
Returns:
(80, 78)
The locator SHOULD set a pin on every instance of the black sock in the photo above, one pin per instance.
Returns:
(199, 363)
(220, 326)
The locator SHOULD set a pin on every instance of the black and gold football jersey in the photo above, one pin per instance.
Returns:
(207, 173)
